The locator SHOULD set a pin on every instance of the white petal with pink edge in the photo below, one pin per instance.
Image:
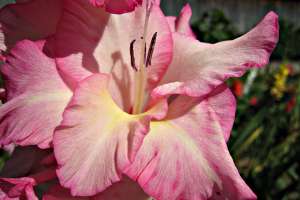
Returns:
(96, 139)
(197, 68)
(186, 157)
(36, 97)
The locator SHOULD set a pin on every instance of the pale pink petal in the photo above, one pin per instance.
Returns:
(186, 157)
(224, 106)
(36, 97)
(20, 188)
(96, 139)
(33, 19)
(171, 21)
(117, 6)
(126, 189)
(99, 42)
(197, 68)
(182, 23)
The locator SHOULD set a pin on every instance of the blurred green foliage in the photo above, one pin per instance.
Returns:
(289, 45)
(265, 142)
(213, 26)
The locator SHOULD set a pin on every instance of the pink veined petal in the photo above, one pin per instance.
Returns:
(19, 188)
(126, 189)
(117, 6)
(224, 106)
(185, 156)
(96, 139)
(171, 21)
(100, 42)
(181, 24)
(36, 97)
(197, 68)
(31, 19)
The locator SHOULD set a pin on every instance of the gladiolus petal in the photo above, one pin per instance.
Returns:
(33, 19)
(117, 6)
(181, 24)
(186, 157)
(19, 188)
(198, 68)
(36, 97)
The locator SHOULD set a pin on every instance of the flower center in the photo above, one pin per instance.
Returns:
(140, 79)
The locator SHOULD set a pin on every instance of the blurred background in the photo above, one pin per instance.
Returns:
(265, 141)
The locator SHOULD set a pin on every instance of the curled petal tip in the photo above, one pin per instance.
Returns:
(187, 8)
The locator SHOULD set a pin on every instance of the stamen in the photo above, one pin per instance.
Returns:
(145, 52)
(141, 76)
(132, 55)
(151, 49)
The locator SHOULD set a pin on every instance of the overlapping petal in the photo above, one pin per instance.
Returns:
(224, 106)
(99, 42)
(186, 157)
(32, 19)
(96, 139)
(117, 6)
(36, 96)
(181, 24)
(17, 188)
(197, 68)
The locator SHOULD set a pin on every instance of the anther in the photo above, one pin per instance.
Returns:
(151, 49)
(132, 55)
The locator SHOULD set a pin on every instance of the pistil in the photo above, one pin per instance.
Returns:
(141, 76)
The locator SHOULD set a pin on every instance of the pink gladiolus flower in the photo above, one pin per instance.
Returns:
(137, 95)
